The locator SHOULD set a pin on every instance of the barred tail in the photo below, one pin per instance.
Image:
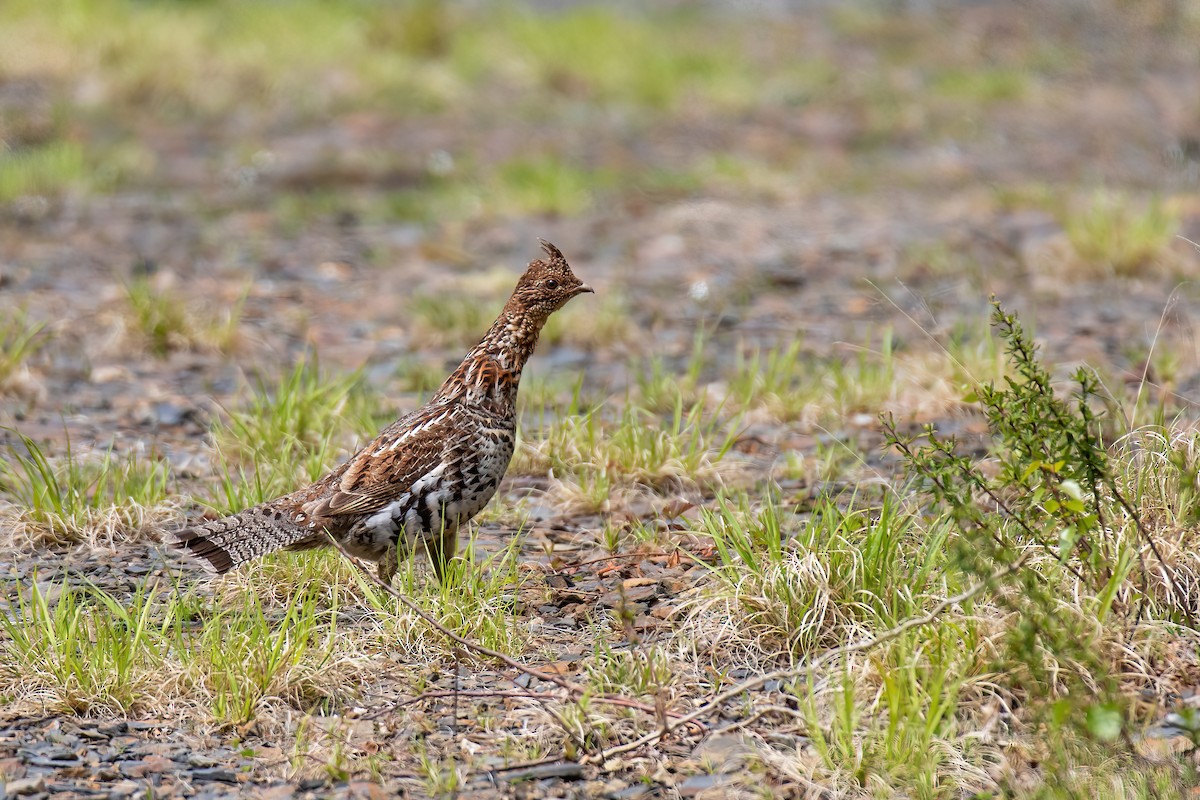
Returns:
(226, 543)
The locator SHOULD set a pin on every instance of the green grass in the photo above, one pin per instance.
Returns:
(198, 59)
(313, 60)
(807, 583)
(159, 315)
(907, 733)
(91, 652)
(54, 167)
(318, 57)
(866, 381)
(542, 186)
(610, 58)
(20, 339)
(290, 634)
(440, 776)
(975, 85)
(1062, 636)
(166, 324)
(42, 170)
(591, 323)
(87, 651)
(250, 479)
(545, 184)
(1112, 233)
(594, 453)
(832, 460)
(451, 319)
(244, 657)
(975, 357)
(305, 409)
(82, 497)
(664, 383)
(794, 385)
(287, 434)
(1061, 650)
(477, 600)
(632, 672)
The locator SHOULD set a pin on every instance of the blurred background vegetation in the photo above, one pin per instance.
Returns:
(435, 111)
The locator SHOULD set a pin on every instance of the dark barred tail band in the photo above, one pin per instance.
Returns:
(211, 556)
(226, 543)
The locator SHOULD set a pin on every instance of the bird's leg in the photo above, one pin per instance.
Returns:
(388, 565)
(441, 548)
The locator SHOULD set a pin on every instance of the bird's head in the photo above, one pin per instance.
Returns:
(548, 283)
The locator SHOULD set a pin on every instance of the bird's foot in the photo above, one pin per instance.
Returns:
(389, 565)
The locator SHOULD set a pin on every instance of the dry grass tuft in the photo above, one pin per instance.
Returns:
(94, 497)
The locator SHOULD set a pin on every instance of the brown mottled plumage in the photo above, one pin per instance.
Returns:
(426, 474)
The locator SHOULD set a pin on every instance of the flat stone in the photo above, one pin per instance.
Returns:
(25, 786)
(214, 775)
(663, 611)
(80, 790)
(52, 763)
(124, 789)
(60, 754)
(309, 784)
(139, 725)
(150, 765)
(366, 790)
(696, 784)
(281, 792)
(724, 751)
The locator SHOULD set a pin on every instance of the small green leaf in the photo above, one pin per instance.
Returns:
(1072, 488)
(1066, 542)
(1104, 722)
(1061, 711)
(1051, 505)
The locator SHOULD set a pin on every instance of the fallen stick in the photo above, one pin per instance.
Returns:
(794, 672)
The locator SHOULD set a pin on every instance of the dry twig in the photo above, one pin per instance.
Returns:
(574, 690)
(794, 672)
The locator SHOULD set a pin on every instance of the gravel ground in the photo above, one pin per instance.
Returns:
(748, 265)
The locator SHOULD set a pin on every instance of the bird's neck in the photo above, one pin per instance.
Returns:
(491, 371)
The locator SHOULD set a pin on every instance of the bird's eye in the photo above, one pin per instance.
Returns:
(552, 284)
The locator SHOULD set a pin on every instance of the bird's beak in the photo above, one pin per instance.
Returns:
(583, 288)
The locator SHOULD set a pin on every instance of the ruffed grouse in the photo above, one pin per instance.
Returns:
(426, 474)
